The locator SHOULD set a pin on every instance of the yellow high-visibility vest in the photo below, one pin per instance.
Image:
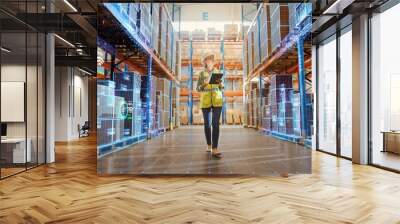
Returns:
(211, 94)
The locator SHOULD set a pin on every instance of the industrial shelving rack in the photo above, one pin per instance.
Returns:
(148, 58)
(278, 43)
(192, 50)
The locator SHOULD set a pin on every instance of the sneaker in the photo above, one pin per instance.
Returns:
(216, 153)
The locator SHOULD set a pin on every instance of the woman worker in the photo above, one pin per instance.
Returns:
(210, 103)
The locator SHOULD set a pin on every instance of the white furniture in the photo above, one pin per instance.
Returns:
(18, 149)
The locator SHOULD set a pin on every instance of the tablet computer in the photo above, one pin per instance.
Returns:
(215, 77)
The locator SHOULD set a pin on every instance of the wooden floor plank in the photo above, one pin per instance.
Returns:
(70, 191)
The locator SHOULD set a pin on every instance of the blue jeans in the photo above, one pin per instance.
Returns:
(216, 113)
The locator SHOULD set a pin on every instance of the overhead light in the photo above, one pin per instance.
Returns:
(5, 50)
(337, 7)
(84, 71)
(64, 40)
(70, 5)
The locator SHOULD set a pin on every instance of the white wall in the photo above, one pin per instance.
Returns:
(218, 15)
(71, 102)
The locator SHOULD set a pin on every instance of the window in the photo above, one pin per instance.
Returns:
(327, 95)
(346, 93)
(385, 89)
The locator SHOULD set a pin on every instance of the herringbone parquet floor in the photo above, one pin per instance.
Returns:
(70, 191)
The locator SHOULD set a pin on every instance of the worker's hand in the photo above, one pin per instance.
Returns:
(219, 81)
(221, 86)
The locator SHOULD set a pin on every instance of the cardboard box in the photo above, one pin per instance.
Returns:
(229, 117)
(237, 117)
(198, 119)
(184, 120)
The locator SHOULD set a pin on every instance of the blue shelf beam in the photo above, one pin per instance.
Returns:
(190, 101)
(148, 103)
(260, 80)
(286, 137)
(172, 55)
(302, 87)
(222, 50)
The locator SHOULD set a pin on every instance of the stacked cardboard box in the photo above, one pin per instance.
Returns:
(163, 35)
(128, 87)
(168, 48)
(292, 15)
(279, 23)
(183, 110)
(254, 108)
(267, 118)
(170, 44)
(197, 115)
(133, 11)
(152, 104)
(250, 49)
(310, 113)
(213, 34)
(237, 117)
(303, 13)
(256, 43)
(230, 31)
(281, 104)
(185, 35)
(145, 22)
(265, 32)
(237, 110)
(137, 106)
(198, 35)
(243, 31)
(245, 59)
(248, 109)
(265, 109)
(121, 116)
(297, 114)
(155, 16)
(163, 103)
(174, 56)
(105, 92)
(229, 116)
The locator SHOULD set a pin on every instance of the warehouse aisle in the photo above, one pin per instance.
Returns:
(182, 151)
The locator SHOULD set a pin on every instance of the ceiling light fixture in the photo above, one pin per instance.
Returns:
(64, 40)
(5, 50)
(337, 7)
(70, 5)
